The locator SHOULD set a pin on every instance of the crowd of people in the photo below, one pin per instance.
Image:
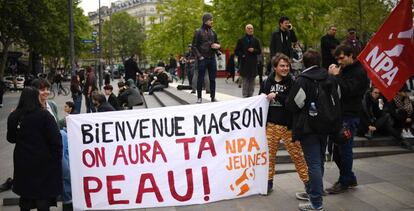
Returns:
(297, 86)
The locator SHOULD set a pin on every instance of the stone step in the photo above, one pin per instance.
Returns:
(359, 152)
(166, 100)
(364, 142)
(184, 96)
(376, 141)
(283, 168)
(151, 101)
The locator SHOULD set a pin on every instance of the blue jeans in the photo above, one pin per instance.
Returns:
(172, 73)
(313, 147)
(343, 155)
(210, 64)
(67, 191)
(77, 100)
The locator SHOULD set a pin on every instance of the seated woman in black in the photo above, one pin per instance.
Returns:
(374, 119)
(401, 110)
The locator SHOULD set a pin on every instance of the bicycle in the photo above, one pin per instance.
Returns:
(61, 90)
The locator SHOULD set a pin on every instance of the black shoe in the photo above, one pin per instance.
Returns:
(269, 187)
(6, 185)
(192, 92)
(213, 100)
(337, 188)
(67, 207)
(207, 92)
(352, 185)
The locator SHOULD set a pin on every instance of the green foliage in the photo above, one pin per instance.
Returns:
(42, 26)
(231, 18)
(364, 15)
(305, 15)
(11, 13)
(127, 36)
(173, 35)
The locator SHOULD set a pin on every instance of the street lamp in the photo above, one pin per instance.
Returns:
(110, 42)
(100, 45)
(71, 38)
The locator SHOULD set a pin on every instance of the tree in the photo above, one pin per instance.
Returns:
(366, 16)
(231, 17)
(11, 12)
(173, 35)
(47, 30)
(127, 36)
(42, 27)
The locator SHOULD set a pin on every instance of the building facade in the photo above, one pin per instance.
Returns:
(145, 11)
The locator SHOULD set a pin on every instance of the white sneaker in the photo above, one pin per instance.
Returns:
(307, 206)
(404, 133)
(409, 134)
(303, 196)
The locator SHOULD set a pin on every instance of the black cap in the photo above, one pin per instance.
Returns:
(351, 30)
(207, 16)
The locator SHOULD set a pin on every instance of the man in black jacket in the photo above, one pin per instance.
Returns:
(353, 82)
(205, 46)
(313, 143)
(282, 38)
(328, 45)
(247, 50)
(111, 98)
(131, 69)
(99, 101)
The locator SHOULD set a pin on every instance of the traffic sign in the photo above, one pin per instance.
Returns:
(88, 41)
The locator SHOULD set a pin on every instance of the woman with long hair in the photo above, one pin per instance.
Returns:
(37, 157)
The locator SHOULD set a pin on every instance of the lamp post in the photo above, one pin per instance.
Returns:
(100, 45)
(71, 39)
(110, 43)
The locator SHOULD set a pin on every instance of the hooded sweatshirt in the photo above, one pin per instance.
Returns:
(278, 113)
(299, 96)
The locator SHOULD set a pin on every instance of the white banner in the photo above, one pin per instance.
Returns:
(170, 156)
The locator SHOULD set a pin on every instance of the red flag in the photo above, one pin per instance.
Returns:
(389, 57)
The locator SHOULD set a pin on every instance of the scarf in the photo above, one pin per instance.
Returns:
(404, 103)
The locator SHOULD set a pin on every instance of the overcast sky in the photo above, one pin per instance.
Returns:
(92, 5)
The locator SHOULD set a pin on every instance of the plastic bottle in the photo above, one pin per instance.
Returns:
(312, 109)
(380, 104)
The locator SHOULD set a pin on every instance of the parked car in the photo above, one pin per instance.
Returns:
(8, 80)
(116, 74)
(13, 83)
(20, 82)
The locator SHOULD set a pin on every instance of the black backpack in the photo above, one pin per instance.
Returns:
(328, 107)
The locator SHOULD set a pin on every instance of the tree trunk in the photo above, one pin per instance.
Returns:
(361, 30)
(3, 61)
(30, 65)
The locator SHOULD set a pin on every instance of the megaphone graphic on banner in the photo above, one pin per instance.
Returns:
(241, 184)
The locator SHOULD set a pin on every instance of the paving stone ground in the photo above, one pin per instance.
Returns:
(385, 183)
